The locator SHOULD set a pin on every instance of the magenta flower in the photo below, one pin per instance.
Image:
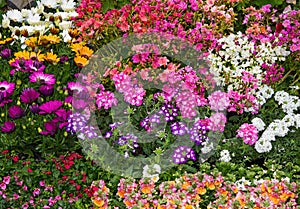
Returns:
(34, 108)
(29, 95)
(50, 107)
(51, 128)
(76, 87)
(5, 53)
(46, 90)
(16, 112)
(6, 89)
(42, 78)
(8, 126)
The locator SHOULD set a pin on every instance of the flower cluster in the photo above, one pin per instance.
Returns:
(248, 133)
(268, 194)
(184, 192)
(150, 16)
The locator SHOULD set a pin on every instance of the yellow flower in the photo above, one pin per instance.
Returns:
(80, 61)
(31, 42)
(5, 41)
(40, 57)
(46, 39)
(52, 58)
(86, 52)
(22, 54)
(76, 47)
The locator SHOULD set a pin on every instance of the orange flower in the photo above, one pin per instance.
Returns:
(80, 61)
(121, 193)
(161, 207)
(201, 190)
(40, 57)
(187, 206)
(146, 189)
(52, 58)
(129, 203)
(98, 202)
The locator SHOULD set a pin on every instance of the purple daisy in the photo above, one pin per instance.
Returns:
(29, 95)
(16, 112)
(42, 78)
(5, 53)
(6, 89)
(34, 108)
(76, 87)
(46, 90)
(51, 128)
(18, 65)
(34, 66)
(182, 154)
(50, 107)
(8, 126)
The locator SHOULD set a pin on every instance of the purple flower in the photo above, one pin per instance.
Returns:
(179, 128)
(5, 53)
(51, 128)
(34, 66)
(46, 90)
(76, 122)
(182, 154)
(79, 104)
(50, 107)
(29, 95)
(88, 131)
(18, 65)
(34, 108)
(76, 87)
(198, 133)
(42, 78)
(15, 112)
(8, 126)
(169, 111)
(63, 59)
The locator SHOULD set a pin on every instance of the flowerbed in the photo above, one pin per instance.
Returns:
(120, 107)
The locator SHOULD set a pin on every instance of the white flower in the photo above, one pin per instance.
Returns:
(26, 13)
(258, 123)
(49, 3)
(225, 156)
(268, 135)
(5, 21)
(34, 19)
(262, 146)
(279, 128)
(297, 121)
(65, 25)
(151, 172)
(15, 15)
(289, 120)
(66, 36)
(207, 147)
(240, 184)
(68, 6)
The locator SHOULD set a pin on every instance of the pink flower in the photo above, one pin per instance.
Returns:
(6, 179)
(248, 132)
(218, 101)
(36, 192)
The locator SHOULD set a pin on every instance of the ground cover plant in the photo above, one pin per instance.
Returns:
(150, 104)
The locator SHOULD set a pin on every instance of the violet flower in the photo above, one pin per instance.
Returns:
(5, 53)
(46, 90)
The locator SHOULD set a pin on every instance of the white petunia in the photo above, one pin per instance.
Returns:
(152, 172)
(68, 6)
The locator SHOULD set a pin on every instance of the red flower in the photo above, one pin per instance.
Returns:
(29, 170)
(77, 187)
(5, 152)
(15, 159)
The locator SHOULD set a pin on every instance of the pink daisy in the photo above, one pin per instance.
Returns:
(42, 78)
